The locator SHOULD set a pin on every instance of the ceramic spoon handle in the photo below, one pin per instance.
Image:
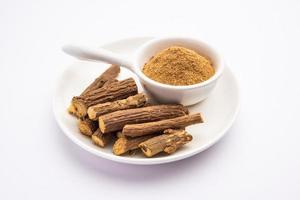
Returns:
(87, 53)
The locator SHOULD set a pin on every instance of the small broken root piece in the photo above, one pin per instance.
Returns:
(114, 91)
(115, 121)
(134, 130)
(125, 144)
(168, 142)
(87, 126)
(101, 139)
(135, 101)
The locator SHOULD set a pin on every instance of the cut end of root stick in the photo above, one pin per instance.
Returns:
(92, 114)
(119, 147)
(85, 129)
(101, 139)
(87, 126)
(97, 140)
(101, 125)
(147, 152)
(80, 109)
(72, 109)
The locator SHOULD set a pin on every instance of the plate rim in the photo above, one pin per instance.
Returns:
(141, 161)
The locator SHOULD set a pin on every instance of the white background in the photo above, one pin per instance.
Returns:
(258, 159)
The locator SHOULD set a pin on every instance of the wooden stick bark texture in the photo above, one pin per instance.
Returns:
(168, 142)
(117, 120)
(114, 91)
(125, 144)
(134, 130)
(135, 101)
(110, 74)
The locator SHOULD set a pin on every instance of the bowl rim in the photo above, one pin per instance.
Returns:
(216, 75)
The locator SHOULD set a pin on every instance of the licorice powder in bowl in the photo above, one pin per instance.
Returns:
(178, 66)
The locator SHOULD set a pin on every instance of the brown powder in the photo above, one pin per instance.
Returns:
(178, 66)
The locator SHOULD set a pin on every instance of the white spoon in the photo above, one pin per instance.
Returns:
(186, 95)
(99, 54)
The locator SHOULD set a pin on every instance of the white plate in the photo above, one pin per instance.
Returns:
(219, 110)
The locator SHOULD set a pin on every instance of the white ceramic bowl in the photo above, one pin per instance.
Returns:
(186, 95)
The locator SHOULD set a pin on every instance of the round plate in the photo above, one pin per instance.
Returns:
(219, 110)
